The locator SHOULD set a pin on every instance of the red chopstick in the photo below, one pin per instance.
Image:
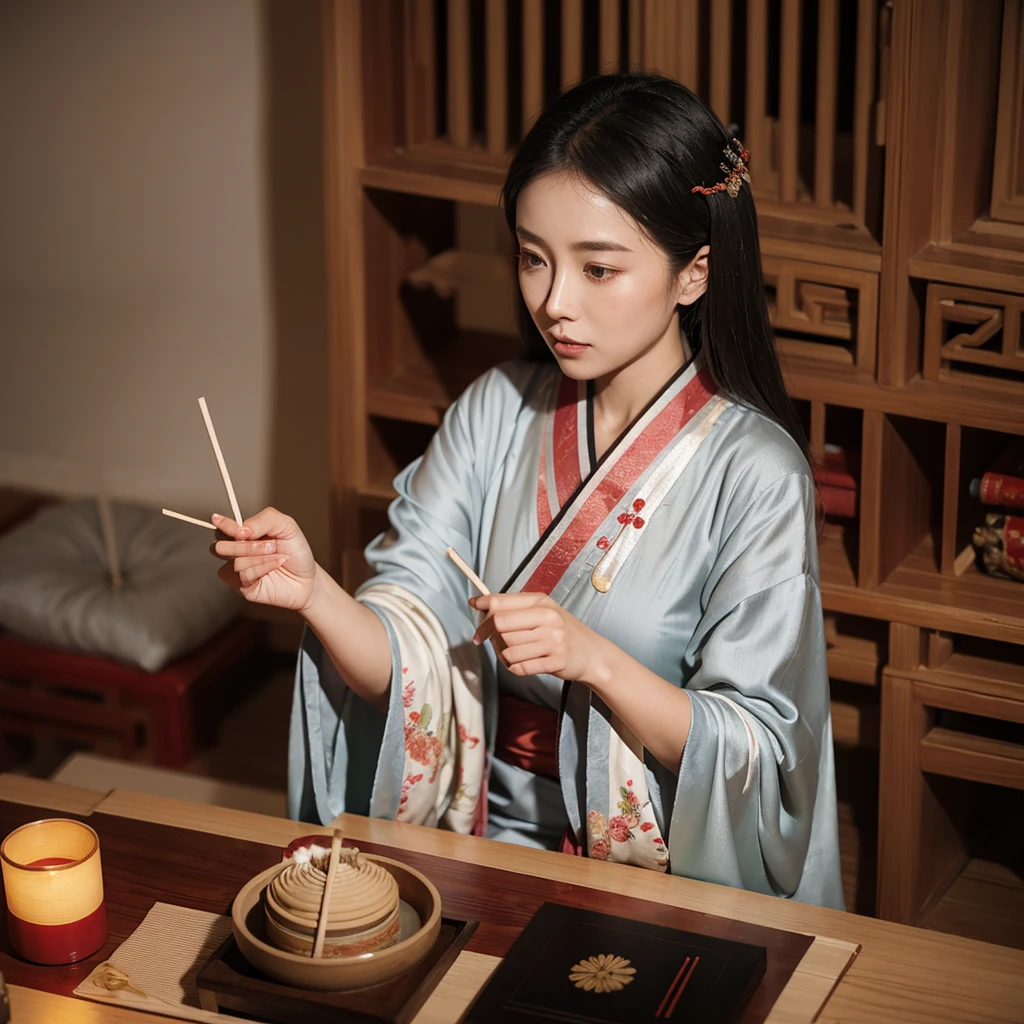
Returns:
(675, 981)
(679, 991)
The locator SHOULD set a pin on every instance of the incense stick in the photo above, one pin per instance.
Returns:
(109, 540)
(325, 903)
(187, 519)
(497, 642)
(220, 461)
(469, 574)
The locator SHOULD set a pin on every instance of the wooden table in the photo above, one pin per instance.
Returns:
(902, 974)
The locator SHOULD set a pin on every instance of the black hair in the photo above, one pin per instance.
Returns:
(645, 141)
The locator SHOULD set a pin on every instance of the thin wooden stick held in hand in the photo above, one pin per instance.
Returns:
(469, 574)
(110, 540)
(497, 642)
(325, 903)
(187, 519)
(220, 461)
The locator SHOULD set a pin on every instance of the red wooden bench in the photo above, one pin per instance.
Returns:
(159, 717)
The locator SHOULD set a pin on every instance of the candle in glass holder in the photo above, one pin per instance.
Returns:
(53, 882)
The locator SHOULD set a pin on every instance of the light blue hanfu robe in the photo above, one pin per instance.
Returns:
(691, 544)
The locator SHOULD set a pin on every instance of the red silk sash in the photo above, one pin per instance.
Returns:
(526, 736)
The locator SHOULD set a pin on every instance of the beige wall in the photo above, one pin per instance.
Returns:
(161, 239)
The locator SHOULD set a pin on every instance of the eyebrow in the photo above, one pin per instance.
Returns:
(596, 245)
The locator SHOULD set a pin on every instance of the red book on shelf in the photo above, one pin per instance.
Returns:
(840, 502)
(1003, 484)
(839, 468)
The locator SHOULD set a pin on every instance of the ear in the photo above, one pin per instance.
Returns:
(692, 281)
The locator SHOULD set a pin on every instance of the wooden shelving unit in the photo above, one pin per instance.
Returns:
(421, 390)
(901, 185)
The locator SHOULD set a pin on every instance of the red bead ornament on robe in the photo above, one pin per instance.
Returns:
(632, 517)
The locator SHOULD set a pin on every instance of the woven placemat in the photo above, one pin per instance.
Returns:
(155, 968)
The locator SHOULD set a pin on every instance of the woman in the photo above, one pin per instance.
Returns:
(655, 689)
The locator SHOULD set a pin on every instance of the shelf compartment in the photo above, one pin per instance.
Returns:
(952, 741)
(421, 390)
(970, 453)
(857, 648)
(831, 431)
(985, 902)
(901, 492)
(401, 234)
(391, 444)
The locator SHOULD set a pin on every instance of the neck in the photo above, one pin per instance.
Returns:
(621, 396)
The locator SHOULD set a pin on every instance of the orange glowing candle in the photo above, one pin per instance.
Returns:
(53, 881)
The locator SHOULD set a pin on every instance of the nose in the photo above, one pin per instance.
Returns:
(562, 302)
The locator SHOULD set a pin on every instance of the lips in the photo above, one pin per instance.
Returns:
(569, 347)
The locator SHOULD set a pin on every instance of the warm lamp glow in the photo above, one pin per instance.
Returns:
(53, 882)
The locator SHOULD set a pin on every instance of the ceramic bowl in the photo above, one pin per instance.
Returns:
(420, 911)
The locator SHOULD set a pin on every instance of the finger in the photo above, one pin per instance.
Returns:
(243, 548)
(524, 619)
(516, 655)
(517, 637)
(520, 619)
(251, 562)
(247, 577)
(485, 631)
(271, 523)
(537, 666)
(497, 625)
(500, 602)
(229, 527)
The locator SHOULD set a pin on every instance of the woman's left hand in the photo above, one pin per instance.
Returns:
(539, 635)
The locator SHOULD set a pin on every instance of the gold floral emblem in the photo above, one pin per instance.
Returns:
(604, 973)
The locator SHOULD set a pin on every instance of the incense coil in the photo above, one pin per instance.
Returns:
(362, 914)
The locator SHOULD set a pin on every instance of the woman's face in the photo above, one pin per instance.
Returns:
(600, 292)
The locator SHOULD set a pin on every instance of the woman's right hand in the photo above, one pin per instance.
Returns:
(268, 560)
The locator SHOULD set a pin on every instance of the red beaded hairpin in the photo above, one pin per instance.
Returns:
(735, 175)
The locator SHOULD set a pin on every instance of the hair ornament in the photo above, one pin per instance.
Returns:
(736, 171)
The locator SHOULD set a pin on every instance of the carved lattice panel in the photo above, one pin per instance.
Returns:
(822, 313)
(801, 80)
(973, 337)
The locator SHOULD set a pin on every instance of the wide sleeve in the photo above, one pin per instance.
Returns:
(755, 799)
(344, 754)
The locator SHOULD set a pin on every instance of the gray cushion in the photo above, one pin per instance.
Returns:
(55, 587)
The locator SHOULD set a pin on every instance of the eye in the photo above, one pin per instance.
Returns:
(599, 273)
(529, 260)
